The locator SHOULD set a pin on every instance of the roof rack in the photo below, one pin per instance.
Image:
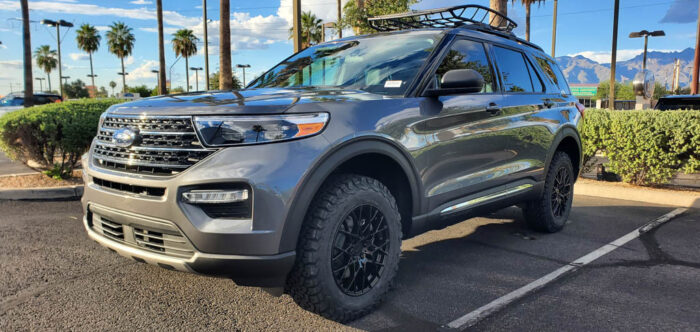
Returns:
(448, 17)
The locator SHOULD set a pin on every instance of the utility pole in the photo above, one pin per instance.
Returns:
(206, 45)
(58, 25)
(696, 61)
(27, 54)
(196, 76)
(340, 19)
(296, 10)
(162, 90)
(676, 76)
(554, 28)
(611, 97)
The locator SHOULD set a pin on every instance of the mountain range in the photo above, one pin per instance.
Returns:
(579, 69)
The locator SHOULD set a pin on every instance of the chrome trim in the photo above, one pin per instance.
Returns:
(144, 132)
(153, 148)
(472, 202)
(132, 162)
(144, 116)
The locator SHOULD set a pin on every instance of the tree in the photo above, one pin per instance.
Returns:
(142, 90)
(27, 53)
(214, 81)
(500, 6)
(311, 30)
(527, 4)
(47, 61)
(112, 84)
(622, 91)
(356, 13)
(121, 43)
(89, 41)
(161, 50)
(76, 89)
(226, 78)
(102, 93)
(185, 45)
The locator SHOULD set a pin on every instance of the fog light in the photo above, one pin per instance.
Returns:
(215, 196)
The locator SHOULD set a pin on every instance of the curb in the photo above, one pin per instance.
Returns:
(42, 194)
(640, 194)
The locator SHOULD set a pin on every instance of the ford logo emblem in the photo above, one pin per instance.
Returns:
(125, 137)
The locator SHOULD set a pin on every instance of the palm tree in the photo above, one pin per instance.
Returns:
(527, 4)
(161, 49)
(46, 60)
(311, 27)
(226, 78)
(89, 41)
(121, 43)
(185, 45)
(27, 53)
(112, 84)
(500, 6)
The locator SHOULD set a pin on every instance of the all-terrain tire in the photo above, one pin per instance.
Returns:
(312, 283)
(550, 211)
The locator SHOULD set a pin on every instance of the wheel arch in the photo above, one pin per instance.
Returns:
(567, 140)
(340, 158)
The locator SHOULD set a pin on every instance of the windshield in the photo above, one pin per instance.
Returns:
(383, 65)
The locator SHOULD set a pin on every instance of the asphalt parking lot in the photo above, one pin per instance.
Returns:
(53, 277)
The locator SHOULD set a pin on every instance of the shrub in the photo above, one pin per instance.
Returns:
(644, 147)
(54, 135)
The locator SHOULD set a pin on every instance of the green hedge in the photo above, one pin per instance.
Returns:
(644, 147)
(54, 135)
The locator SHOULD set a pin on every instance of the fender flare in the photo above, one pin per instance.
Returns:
(329, 162)
(562, 133)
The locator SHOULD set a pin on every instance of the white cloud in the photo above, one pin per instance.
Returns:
(10, 70)
(129, 61)
(143, 71)
(170, 17)
(166, 30)
(102, 27)
(141, 2)
(79, 56)
(622, 55)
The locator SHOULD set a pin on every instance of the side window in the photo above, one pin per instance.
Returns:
(514, 70)
(534, 77)
(554, 75)
(467, 54)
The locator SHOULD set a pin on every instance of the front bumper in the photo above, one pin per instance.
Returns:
(246, 250)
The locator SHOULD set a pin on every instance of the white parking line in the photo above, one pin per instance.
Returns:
(498, 304)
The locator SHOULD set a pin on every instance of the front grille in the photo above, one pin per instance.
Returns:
(138, 190)
(166, 145)
(164, 238)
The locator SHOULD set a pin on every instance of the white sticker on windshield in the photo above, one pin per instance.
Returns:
(393, 84)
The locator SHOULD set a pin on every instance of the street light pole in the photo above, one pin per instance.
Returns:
(41, 83)
(58, 25)
(243, 67)
(646, 34)
(206, 44)
(196, 76)
(157, 72)
(613, 60)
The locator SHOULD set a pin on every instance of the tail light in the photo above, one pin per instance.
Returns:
(581, 109)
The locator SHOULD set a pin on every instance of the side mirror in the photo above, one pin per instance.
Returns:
(458, 81)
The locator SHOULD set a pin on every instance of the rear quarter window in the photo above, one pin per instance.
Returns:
(553, 75)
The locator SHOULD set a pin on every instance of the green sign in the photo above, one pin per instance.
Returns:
(584, 91)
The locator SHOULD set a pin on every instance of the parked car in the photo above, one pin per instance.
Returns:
(678, 102)
(15, 101)
(308, 179)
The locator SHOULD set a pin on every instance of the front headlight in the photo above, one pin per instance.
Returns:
(237, 130)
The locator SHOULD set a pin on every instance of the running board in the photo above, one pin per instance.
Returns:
(485, 198)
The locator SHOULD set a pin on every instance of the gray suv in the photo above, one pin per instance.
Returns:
(307, 180)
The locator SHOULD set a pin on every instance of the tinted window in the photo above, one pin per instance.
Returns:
(384, 65)
(516, 76)
(534, 77)
(466, 54)
(554, 75)
(678, 104)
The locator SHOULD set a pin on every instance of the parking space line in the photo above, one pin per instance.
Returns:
(499, 303)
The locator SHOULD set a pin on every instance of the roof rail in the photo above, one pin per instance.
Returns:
(448, 17)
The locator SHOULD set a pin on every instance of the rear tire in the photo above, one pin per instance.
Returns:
(550, 211)
(349, 249)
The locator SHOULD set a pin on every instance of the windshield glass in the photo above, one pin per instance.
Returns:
(383, 65)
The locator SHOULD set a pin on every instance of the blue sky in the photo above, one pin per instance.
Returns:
(259, 32)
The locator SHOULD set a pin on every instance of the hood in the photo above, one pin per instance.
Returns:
(252, 101)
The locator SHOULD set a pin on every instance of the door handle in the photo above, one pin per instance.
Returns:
(548, 103)
(493, 108)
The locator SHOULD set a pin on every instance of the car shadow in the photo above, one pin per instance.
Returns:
(458, 265)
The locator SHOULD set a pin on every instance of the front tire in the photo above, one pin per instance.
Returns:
(550, 211)
(349, 249)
